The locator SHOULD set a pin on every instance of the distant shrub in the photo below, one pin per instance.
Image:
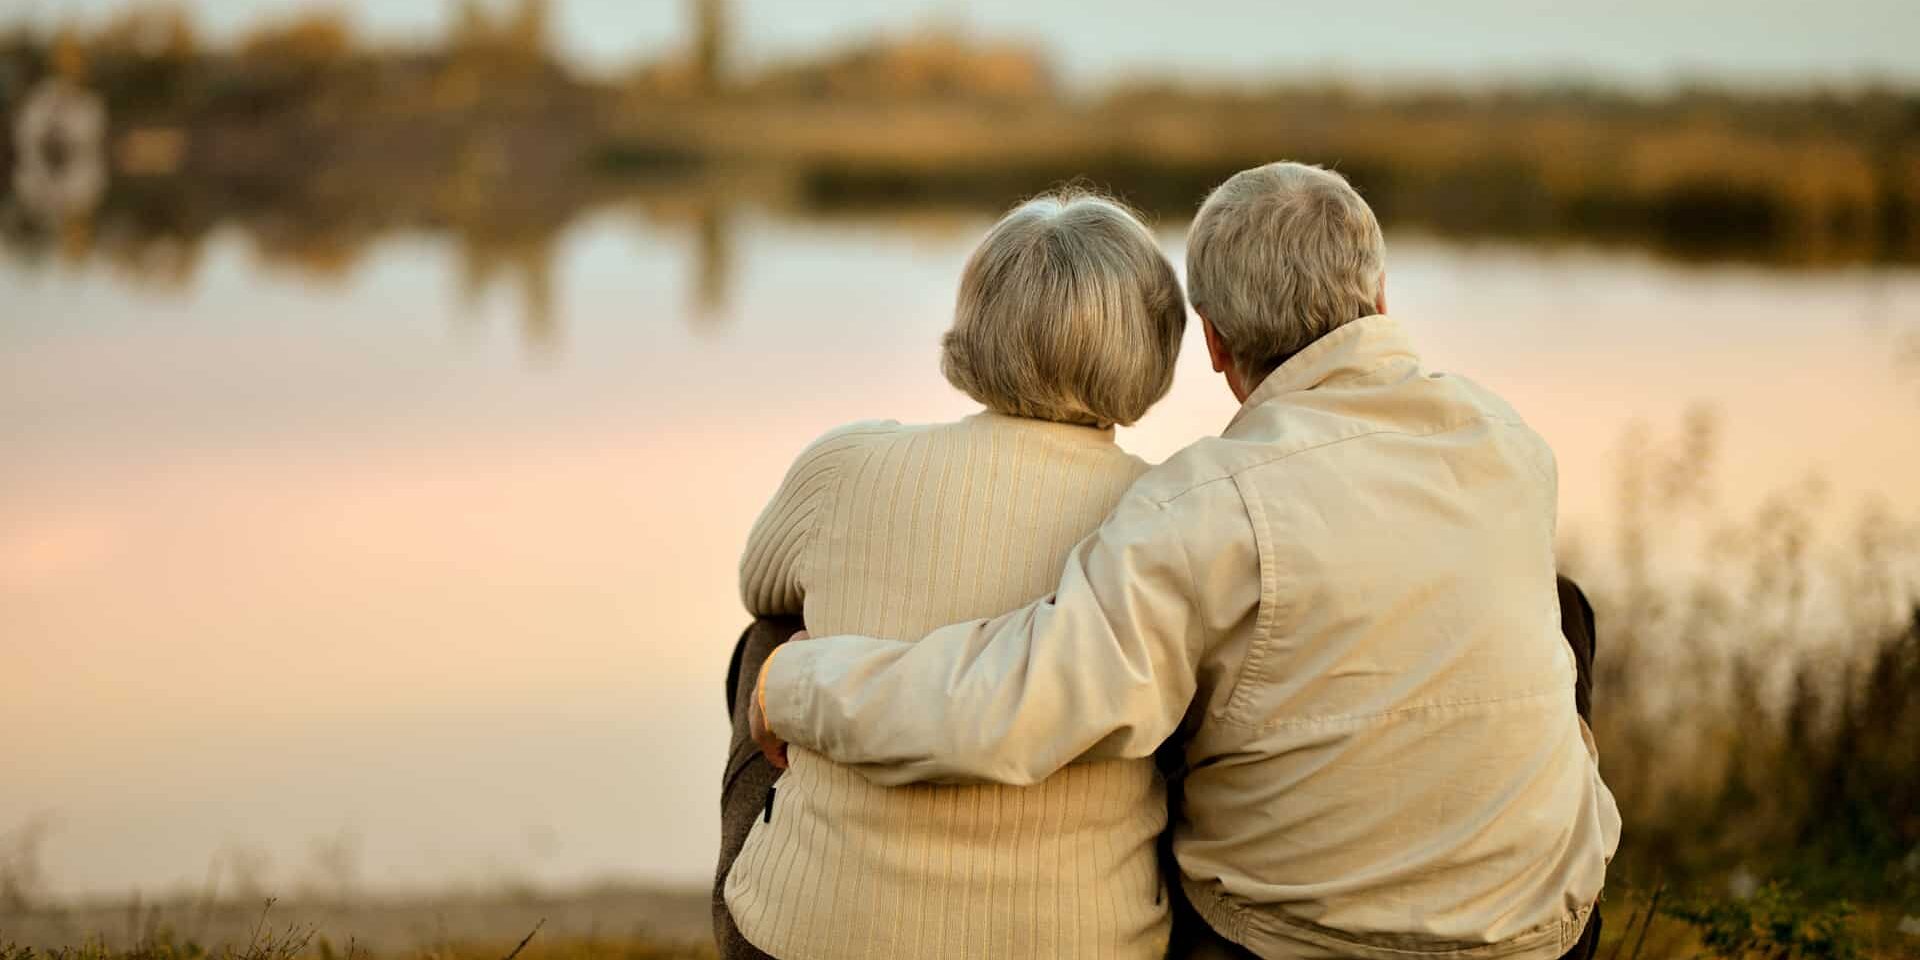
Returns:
(1775, 922)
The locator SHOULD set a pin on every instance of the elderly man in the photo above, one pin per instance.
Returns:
(1344, 607)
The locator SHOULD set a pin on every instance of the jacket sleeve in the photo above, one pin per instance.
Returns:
(773, 566)
(1104, 668)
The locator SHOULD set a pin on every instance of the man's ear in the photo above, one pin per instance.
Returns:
(1380, 299)
(1216, 348)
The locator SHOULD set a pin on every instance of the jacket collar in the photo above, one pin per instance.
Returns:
(1353, 351)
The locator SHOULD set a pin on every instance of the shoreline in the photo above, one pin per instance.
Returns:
(663, 914)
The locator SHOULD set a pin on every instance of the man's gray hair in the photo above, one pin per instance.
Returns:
(1068, 311)
(1280, 256)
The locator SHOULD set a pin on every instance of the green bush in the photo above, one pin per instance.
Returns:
(1775, 922)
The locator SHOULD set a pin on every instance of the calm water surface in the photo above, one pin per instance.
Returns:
(395, 581)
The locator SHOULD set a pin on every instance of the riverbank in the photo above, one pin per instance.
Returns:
(672, 925)
(489, 135)
(664, 919)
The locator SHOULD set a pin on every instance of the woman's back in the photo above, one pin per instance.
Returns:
(891, 531)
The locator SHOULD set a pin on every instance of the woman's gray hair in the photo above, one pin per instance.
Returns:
(1280, 256)
(1067, 311)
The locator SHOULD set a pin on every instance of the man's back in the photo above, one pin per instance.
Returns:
(1383, 751)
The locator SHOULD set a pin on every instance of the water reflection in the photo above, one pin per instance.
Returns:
(525, 259)
(60, 171)
(153, 235)
(713, 263)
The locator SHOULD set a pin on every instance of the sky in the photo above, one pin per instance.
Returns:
(1633, 42)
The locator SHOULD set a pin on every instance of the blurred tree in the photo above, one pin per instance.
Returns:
(148, 31)
(69, 58)
(710, 44)
(526, 34)
(314, 39)
(470, 24)
(520, 38)
(141, 60)
(929, 66)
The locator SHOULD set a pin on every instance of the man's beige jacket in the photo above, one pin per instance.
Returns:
(1345, 605)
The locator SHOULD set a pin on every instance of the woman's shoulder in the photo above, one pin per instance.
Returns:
(1131, 463)
(830, 448)
(856, 433)
(1087, 448)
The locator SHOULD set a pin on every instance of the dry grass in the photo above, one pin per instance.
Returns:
(291, 942)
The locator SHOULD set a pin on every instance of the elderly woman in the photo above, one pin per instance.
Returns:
(1068, 322)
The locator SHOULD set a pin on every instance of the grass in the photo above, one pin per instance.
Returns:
(319, 949)
(569, 949)
(1773, 922)
(268, 942)
(1788, 751)
(1755, 714)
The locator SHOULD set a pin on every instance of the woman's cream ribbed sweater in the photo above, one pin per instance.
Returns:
(890, 531)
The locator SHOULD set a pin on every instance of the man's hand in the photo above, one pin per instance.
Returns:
(771, 746)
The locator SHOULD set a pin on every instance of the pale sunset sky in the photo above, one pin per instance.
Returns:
(1638, 42)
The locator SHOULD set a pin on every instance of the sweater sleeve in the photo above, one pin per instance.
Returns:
(773, 565)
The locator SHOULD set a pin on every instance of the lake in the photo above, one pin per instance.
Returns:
(420, 569)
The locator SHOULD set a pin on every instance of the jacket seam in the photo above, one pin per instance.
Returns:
(1276, 458)
(1352, 718)
(1192, 588)
(1252, 665)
